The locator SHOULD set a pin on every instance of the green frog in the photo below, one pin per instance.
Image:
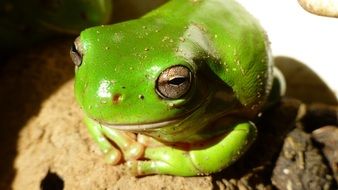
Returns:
(176, 91)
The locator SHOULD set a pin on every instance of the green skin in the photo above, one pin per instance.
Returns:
(200, 132)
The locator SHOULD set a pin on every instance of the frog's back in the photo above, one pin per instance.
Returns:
(240, 42)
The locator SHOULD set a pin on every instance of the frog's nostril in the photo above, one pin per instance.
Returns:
(117, 98)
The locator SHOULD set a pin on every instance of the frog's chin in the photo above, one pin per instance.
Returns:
(142, 126)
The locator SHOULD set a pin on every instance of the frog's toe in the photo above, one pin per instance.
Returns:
(126, 142)
(133, 151)
(163, 160)
(149, 167)
(140, 168)
(113, 156)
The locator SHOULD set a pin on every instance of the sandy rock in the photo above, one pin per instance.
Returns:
(300, 165)
(327, 136)
(26, 80)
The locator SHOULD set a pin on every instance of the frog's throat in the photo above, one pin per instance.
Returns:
(141, 127)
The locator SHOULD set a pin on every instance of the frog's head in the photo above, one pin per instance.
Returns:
(124, 79)
(149, 77)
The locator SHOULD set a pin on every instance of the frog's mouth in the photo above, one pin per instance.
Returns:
(144, 126)
(139, 127)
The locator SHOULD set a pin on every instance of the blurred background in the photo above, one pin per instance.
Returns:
(296, 33)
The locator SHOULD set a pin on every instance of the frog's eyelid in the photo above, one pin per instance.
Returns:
(76, 52)
(75, 56)
(79, 45)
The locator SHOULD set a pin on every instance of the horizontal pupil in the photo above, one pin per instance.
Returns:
(177, 80)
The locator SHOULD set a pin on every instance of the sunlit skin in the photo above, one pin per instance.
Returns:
(175, 92)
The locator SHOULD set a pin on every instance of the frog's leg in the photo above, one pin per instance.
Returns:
(125, 141)
(209, 159)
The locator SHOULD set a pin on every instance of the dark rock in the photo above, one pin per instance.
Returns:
(300, 165)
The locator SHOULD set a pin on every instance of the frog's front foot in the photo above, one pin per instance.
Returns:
(116, 145)
(212, 157)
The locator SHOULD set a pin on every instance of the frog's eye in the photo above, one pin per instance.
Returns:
(174, 82)
(76, 52)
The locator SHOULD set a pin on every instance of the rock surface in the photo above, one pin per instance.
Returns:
(321, 7)
(327, 136)
(300, 165)
(26, 81)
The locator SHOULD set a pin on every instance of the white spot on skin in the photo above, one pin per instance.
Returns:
(103, 90)
(165, 38)
(101, 139)
(117, 37)
(240, 66)
(166, 157)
